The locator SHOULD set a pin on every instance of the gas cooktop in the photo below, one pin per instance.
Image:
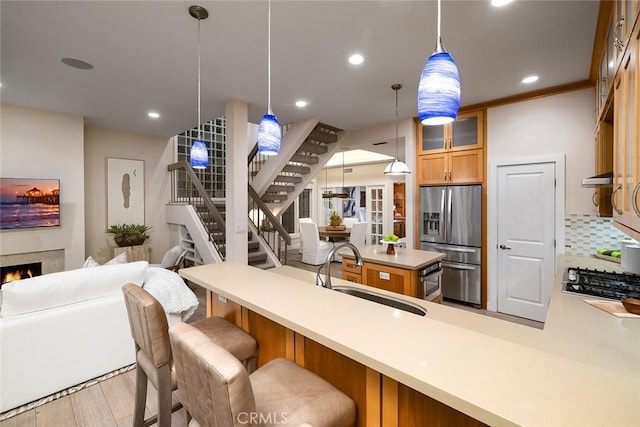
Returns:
(601, 284)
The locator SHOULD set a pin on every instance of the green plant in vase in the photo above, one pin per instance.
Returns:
(129, 234)
(335, 219)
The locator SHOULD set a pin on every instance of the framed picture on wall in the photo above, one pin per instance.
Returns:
(125, 191)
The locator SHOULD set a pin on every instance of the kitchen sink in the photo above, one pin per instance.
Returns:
(382, 299)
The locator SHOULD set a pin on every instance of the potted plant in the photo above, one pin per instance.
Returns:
(335, 219)
(129, 234)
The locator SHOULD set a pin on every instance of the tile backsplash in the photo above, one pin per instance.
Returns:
(585, 233)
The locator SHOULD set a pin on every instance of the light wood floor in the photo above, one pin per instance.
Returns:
(110, 402)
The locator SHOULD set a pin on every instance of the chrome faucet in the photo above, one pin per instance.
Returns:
(326, 283)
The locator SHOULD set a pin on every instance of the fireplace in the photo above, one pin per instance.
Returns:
(21, 271)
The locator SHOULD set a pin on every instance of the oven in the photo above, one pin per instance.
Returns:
(429, 287)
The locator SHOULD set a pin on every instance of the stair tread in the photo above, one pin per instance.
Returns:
(310, 147)
(301, 158)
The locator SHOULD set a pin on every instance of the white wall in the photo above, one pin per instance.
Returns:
(555, 127)
(41, 144)
(157, 153)
(559, 124)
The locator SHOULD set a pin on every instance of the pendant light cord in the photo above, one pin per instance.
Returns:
(397, 123)
(199, 122)
(269, 61)
(439, 19)
(439, 48)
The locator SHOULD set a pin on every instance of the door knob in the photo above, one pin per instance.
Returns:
(504, 247)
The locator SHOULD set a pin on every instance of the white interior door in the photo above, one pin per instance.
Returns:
(526, 233)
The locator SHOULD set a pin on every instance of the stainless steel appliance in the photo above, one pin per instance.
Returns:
(450, 222)
(430, 288)
(601, 284)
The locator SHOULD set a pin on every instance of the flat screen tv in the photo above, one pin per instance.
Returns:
(29, 203)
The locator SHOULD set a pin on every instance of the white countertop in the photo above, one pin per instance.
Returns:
(582, 369)
(409, 259)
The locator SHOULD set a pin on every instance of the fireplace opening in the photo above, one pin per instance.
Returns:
(20, 271)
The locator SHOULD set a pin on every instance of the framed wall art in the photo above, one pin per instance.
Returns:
(125, 191)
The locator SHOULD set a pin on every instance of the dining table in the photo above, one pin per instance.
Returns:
(333, 235)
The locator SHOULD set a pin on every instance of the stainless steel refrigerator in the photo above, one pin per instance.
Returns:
(450, 222)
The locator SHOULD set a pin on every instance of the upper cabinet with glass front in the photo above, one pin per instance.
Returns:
(465, 133)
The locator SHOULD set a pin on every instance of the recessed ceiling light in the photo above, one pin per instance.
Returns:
(500, 3)
(77, 63)
(153, 114)
(301, 103)
(356, 59)
(530, 79)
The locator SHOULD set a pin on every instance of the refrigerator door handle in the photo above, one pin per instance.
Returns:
(443, 217)
(454, 249)
(449, 216)
(458, 266)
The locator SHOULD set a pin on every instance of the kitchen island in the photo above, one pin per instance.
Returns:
(398, 272)
(581, 369)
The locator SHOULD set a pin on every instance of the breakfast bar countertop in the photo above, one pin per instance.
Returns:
(581, 369)
(408, 259)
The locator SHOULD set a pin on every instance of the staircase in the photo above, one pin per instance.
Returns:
(275, 183)
(257, 256)
(280, 179)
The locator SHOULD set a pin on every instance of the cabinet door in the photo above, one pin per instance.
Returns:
(631, 135)
(387, 278)
(626, 161)
(466, 167)
(604, 163)
(351, 277)
(467, 132)
(431, 139)
(432, 169)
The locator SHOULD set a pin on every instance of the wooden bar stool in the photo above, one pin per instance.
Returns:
(154, 360)
(217, 391)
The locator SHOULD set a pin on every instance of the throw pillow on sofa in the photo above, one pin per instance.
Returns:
(120, 259)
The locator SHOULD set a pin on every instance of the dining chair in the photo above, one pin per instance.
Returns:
(154, 359)
(357, 237)
(217, 391)
(301, 220)
(348, 222)
(315, 251)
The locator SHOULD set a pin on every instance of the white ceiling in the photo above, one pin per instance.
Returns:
(144, 56)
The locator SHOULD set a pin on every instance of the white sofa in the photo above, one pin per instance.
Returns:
(61, 329)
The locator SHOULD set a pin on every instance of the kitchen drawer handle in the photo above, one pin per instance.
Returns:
(613, 199)
(458, 266)
(634, 199)
(593, 199)
(353, 265)
(470, 251)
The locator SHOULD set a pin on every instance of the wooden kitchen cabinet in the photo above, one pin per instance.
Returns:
(350, 271)
(464, 133)
(457, 167)
(380, 276)
(626, 135)
(451, 153)
(604, 163)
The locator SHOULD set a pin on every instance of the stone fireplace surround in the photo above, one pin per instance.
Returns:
(52, 260)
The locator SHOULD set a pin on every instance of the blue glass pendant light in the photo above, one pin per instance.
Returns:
(269, 132)
(439, 87)
(199, 155)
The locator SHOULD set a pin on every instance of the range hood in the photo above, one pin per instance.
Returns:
(604, 180)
